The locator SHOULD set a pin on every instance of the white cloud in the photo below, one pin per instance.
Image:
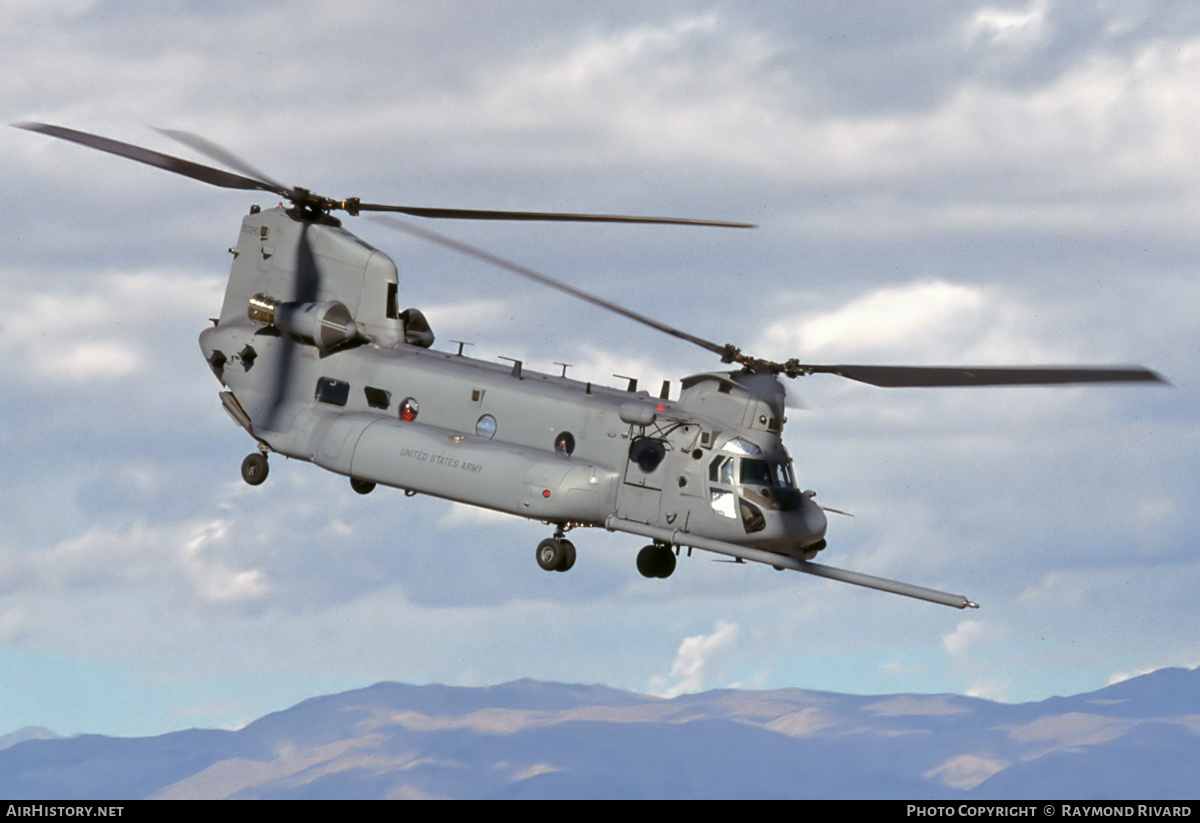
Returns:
(885, 320)
(98, 332)
(1012, 29)
(187, 555)
(211, 578)
(969, 636)
(695, 660)
(925, 321)
(461, 515)
(476, 316)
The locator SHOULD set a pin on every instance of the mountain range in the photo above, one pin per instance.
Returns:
(1139, 738)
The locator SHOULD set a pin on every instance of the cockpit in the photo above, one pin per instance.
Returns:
(743, 484)
(751, 471)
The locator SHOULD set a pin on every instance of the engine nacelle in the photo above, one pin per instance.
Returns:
(325, 325)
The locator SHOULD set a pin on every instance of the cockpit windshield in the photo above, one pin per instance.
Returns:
(756, 472)
(749, 485)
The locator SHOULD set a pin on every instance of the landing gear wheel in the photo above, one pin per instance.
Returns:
(362, 486)
(645, 561)
(254, 468)
(666, 563)
(656, 561)
(550, 554)
(556, 554)
(568, 556)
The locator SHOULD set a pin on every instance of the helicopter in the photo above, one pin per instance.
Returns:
(318, 363)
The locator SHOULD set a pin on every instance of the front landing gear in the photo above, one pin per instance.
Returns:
(362, 486)
(656, 560)
(254, 468)
(556, 554)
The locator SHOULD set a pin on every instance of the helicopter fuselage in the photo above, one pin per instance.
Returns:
(382, 410)
(319, 364)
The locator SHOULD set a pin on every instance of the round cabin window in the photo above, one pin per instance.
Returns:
(564, 444)
(485, 427)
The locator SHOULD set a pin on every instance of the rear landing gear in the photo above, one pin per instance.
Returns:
(556, 554)
(254, 468)
(656, 560)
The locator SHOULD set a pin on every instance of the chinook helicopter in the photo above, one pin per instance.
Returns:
(318, 363)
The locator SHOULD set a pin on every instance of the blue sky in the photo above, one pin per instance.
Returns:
(955, 183)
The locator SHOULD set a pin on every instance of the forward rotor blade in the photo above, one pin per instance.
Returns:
(480, 254)
(224, 155)
(196, 171)
(480, 214)
(933, 376)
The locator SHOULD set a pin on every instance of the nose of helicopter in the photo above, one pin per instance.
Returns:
(814, 520)
(796, 529)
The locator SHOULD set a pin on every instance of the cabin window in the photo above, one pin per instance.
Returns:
(485, 427)
(333, 392)
(564, 444)
(378, 398)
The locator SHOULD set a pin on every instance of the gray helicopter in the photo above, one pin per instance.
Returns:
(318, 363)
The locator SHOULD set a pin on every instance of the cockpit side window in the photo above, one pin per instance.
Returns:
(721, 470)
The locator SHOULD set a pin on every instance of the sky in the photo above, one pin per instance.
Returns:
(948, 183)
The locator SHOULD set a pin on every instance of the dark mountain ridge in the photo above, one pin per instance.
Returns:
(1137, 738)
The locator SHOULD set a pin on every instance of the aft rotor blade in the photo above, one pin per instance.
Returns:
(563, 217)
(933, 376)
(224, 155)
(196, 171)
(487, 257)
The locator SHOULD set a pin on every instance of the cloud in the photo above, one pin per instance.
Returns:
(211, 578)
(96, 332)
(1011, 29)
(474, 316)
(924, 321)
(695, 660)
(969, 636)
(892, 319)
(185, 557)
(461, 515)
